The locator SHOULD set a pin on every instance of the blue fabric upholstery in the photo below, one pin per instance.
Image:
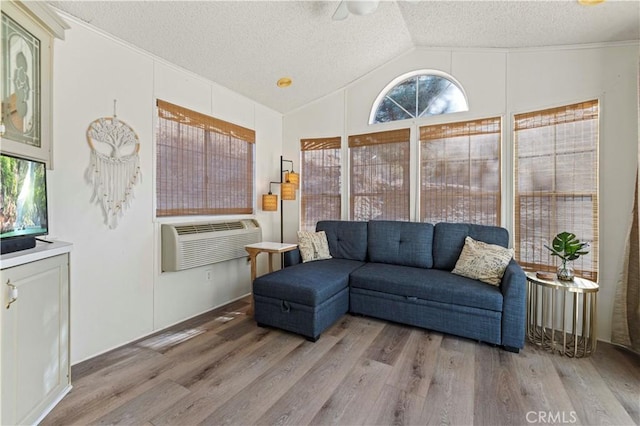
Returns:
(448, 241)
(401, 243)
(309, 321)
(292, 257)
(513, 287)
(347, 240)
(427, 284)
(308, 283)
(397, 271)
(473, 323)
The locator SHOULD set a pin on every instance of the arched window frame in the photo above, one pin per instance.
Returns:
(402, 78)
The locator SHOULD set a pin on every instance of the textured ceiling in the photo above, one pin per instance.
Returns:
(247, 45)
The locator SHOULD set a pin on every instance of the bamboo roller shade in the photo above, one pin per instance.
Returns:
(188, 117)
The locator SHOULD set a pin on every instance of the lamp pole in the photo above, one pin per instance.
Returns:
(281, 203)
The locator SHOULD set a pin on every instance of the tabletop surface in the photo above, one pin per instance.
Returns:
(577, 285)
(271, 246)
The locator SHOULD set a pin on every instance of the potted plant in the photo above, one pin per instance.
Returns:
(567, 247)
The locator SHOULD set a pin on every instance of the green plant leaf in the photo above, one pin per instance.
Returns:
(567, 246)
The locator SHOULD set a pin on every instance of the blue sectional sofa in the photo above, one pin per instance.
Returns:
(397, 271)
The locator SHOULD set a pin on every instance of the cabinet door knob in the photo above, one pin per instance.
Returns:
(13, 293)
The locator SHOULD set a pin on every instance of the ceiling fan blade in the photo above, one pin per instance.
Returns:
(342, 12)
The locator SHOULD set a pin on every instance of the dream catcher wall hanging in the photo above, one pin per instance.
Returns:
(115, 165)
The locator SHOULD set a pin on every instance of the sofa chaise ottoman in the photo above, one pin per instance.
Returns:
(307, 298)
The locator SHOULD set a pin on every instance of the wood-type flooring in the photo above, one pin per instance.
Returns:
(221, 369)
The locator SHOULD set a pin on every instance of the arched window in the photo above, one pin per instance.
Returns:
(418, 94)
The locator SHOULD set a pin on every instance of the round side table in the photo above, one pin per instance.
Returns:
(561, 315)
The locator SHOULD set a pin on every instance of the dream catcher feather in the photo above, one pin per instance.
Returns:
(115, 165)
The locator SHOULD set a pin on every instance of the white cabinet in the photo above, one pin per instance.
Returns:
(34, 346)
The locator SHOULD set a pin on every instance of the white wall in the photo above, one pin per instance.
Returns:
(500, 83)
(118, 293)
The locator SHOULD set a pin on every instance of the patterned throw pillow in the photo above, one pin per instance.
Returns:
(313, 246)
(482, 261)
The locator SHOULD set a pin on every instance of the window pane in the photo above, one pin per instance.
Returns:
(556, 183)
(418, 96)
(405, 95)
(460, 172)
(390, 111)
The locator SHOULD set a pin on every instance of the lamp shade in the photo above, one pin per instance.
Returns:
(292, 177)
(288, 191)
(269, 202)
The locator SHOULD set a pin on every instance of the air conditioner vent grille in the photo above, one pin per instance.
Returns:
(197, 244)
(198, 228)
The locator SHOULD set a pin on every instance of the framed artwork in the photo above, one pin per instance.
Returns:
(21, 108)
(25, 84)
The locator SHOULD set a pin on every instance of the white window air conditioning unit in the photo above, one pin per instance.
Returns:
(189, 245)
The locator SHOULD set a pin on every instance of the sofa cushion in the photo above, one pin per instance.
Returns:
(427, 284)
(347, 239)
(307, 283)
(313, 246)
(482, 261)
(401, 243)
(448, 240)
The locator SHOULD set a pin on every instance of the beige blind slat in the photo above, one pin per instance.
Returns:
(188, 117)
(460, 172)
(380, 175)
(201, 169)
(391, 136)
(556, 183)
(550, 117)
(320, 176)
(320, 143)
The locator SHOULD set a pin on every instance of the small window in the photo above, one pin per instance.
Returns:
(205, 166)
(556, 187)
(460, 172)
(418, 94)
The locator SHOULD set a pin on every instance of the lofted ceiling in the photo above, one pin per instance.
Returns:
(247, 46)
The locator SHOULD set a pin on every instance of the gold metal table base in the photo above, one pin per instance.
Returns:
(557, 341)
(561, 316)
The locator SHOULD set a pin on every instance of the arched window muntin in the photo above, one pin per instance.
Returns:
(435, 105)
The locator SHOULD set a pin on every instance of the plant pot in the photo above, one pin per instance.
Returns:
(565, 272)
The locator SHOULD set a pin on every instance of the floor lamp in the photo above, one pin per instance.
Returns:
(289, 182)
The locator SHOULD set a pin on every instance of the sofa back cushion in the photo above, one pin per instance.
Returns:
(347, 239)
(401, 243)
(448, 241)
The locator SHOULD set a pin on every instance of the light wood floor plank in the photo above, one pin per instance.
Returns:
(248, 406)
(221, 369)
(539, 385)
(450, 399)
(414, 368)
(354, 398)
(620, 370)
(98, 393)
(146, 405)
(389, 344)
(498, 400)
(592, 399)
(396, 407)
(217, 384)
(304, 399)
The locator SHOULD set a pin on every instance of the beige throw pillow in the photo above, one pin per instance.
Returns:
(313, 246)
(482, 261)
